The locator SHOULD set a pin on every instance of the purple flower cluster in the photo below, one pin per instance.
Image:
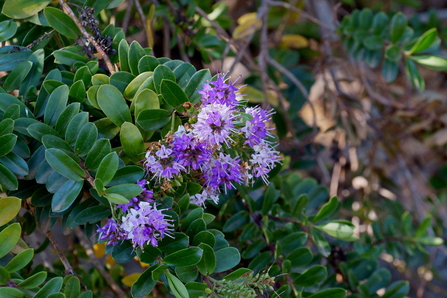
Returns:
(142, 223)
(219, 149)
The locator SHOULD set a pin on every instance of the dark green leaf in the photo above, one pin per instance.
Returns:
(8, 292)
(7, 179)
(136, 52)
(389, 70)
(17, 75)
(195, 227)
(99, 150)
(57, 103)
(330, 293)
(398, 289)
(185, 257)
(124, 252)
(123, 52)
(173, 95)
(74, 126)
(121, 79)
(162, 72)
(153, 119)
(144, 284)
(132, 142)
(186, 274)
(170, 245)
(7, 30)
(208, 262)
(147, 63)
(66, 195)
(21, 9)
(226, 258)
(53, 286)
(68, 57)
(87, 136)
(65, 117)
(321, 243)
(183, 74)
(196, 289)
(126, 190)
(414, 75)
(204, 237)
(20, 260)
(61, 22)
(261, 261)
(300, 257)
(127, 174)
(92, 214)
(113, 104)
(64, 164)
(398, 26)
(292, 241)
(270, 196)
(326, 210)
(238, 220)
(7, 143)
(108, 167)
(15, 164)
(195, 85)
(311, 276)
(33, 281)
(9, 59)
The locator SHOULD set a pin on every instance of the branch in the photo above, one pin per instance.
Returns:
(89, 251)
(87, 35)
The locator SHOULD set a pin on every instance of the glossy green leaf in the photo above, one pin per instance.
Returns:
(137, 85)
(108, 167)
(226, 258)
(413, 74)
(195, 227)
(126, 190)
(50, 141)
(12, 112)
(238, 220)
(292, 241)
(397, 27)
(9, 208)
(270, 196)
(185, 257)
(65, 117)
(398, 289)
(52, 286)
(100, 79)
(127, 174)
(15, 164)
(146, 99)
(20, 260)
(204, 237)
(77, 92)
(7, 30)
(9, 237)
(153, 119)
(123, 52)
(7, 143)
(433, 62)
(6, 126)
(173, 95)
(326, 210)
(21, 9)
(74, 126)
(132, 142)
(99, 150)
(92, 214)
(162, 72)
(188, 273)
(57, 103)
(17, 75)
(176, 286)
(311, 276)
(66, 195)
(136, 52)
(7, 179)
(8, 292)
(113, 104)
(64, 164)
(33, 281)
(321, 243)
(144, 284)
(424, 41)
(121, 79)
(300, 256)
(195, 85)
(170, 245)
(339, 230)
(196, 289)
(124, 252)
(61, 22)
(6, 100)
(87, 136)
(147, 63)
(208, 262)
(183, 74)
(9, 59)
(330, 293)
(389, 70)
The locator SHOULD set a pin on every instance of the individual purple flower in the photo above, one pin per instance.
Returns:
(263, 160)
(163, 165)
(215, 124)
(145, 196)
(208, 193)
(256, 129)
(219, 92)
(147, 225)
(223, 170)
(111, 231)
(188, 152)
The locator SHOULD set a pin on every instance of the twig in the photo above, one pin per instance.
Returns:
(89, 251)
(63, 258)
(87, 35)
(142, 16)
(127, 16)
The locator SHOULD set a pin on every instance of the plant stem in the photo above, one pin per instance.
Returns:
(87, 35)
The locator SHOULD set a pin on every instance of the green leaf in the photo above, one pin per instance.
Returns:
(379, 279)
(77, 92)
(173, 95)
(6, 126)
(92, 214)
(292, 241)
(192, 216)
(7, 30)
(147, 63)
(64, 164)
(300, 257)
(66, 195)
(99, 150)
(311, 276)
(393, 53)
(432, 62)
(146, 99)
(123, 52)
(87, 136)
(127, 174)
(6, 100)
(9, 60)
(74, 126)
(429, 240)
(17, 75)
(185, 257)
(398, 289)
(158, 272)
(121, 79)
(61, 22)
(339, 230)
(124, 252)
(113, 104)
(321, 243)
(208, 262)
(65, 117)
(33, 281)
(7, 143)
(21, 9)
(68, 57)
(136, 52)
(270, 196)
(380, 22)
(195, 227)
(56, 104)
(261, 261)
(7, 179)
(20, 260)
(9, 237)
(15, 164)
(326, 210)
(116, 198)
(144, 284)
(87, 294)
(183, 74)
(238, 220)
(330, 293)
(176, 286)
(83, 74)
(414, 75)
(132, 142)
(389, 70)
(170, 245)
(153, 119)
(100, 79)
(204, 237)
(9, 208)
(424, 41)
(126, 190)
(50, 141)
(398, 26)
(108, 167)
(187, 274)
(195, 85)
(8, 292)
(196, 289)
(52, 286)
(237, 274)
(162, 72)
(226, 258)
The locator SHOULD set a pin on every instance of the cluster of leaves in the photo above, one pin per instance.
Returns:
(73, 137)
(378, 39)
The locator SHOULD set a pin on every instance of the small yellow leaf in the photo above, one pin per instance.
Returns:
(248, 17)
(99, 249)
(109, 261)
(294, 41)
(248, 27)
(130, 279)
(9, 208)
